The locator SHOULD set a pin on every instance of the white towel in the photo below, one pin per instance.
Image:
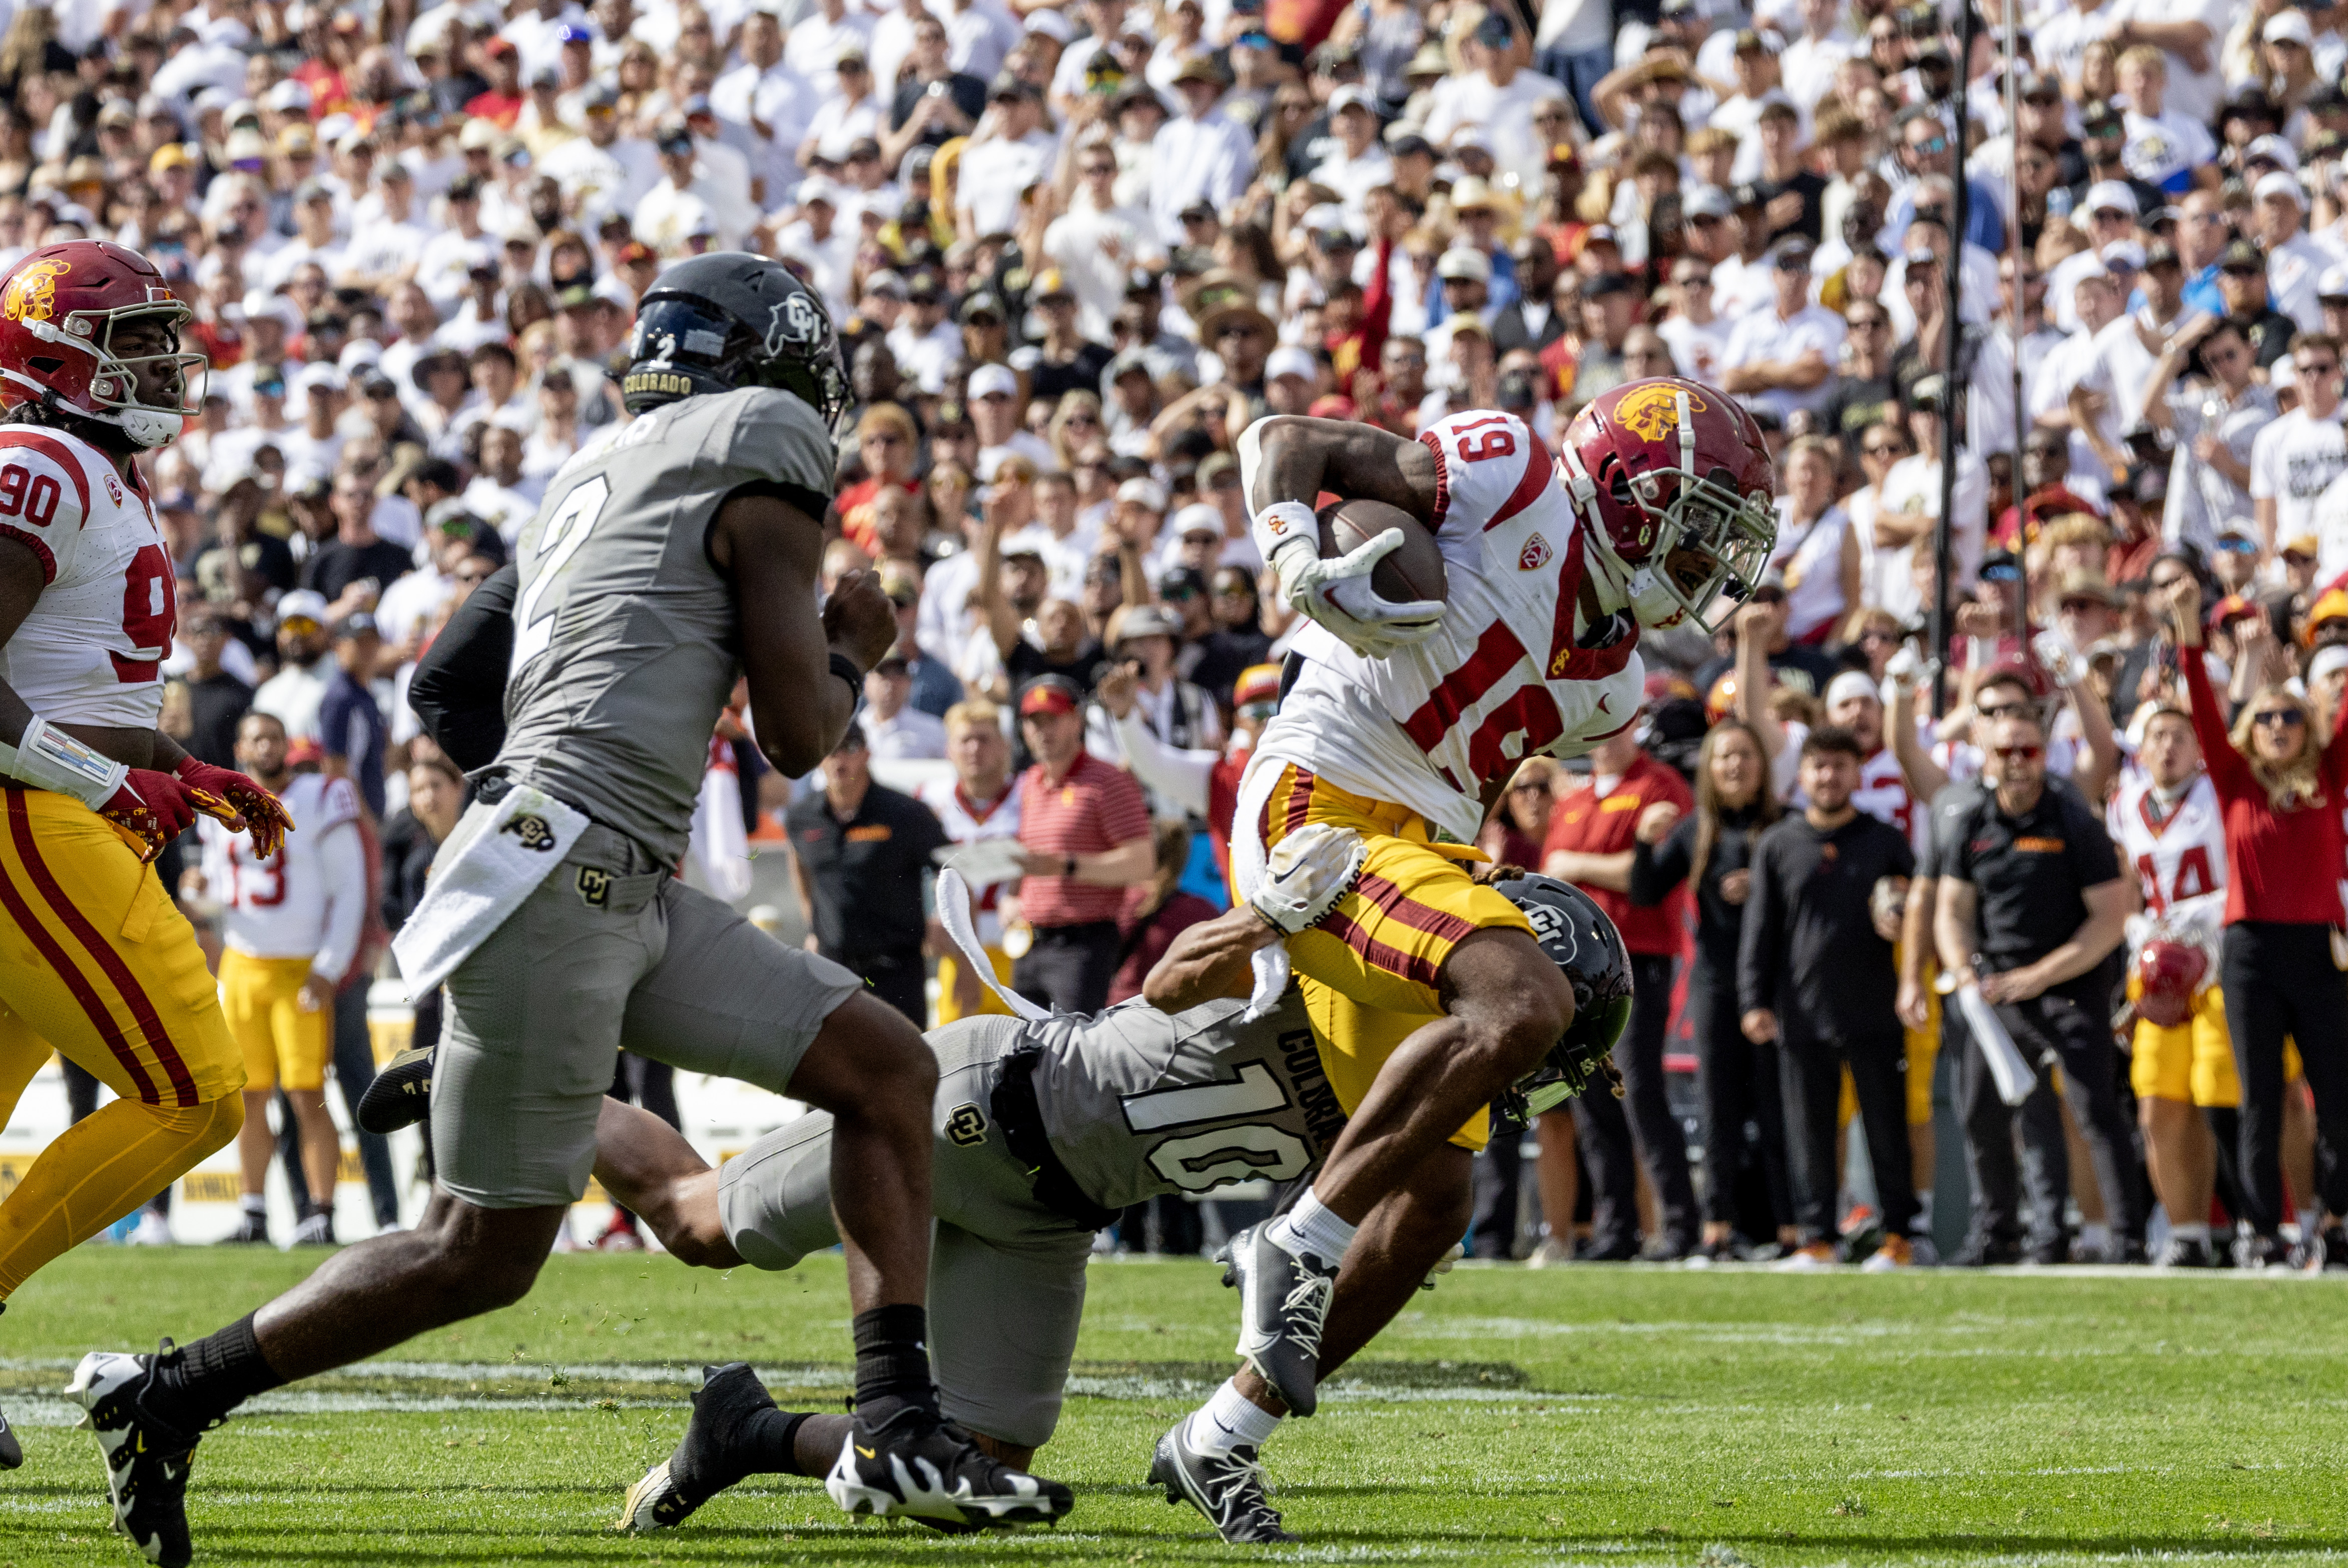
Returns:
(497, 856)
(2015, 1076)
(953, 913)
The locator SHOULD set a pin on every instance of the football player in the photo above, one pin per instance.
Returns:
(99, 962)
(660, 563)
(1046, 1128)
(1430, 991)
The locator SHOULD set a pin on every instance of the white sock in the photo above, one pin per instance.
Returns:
(1312, 1228)
(2310, 1224)
(2200, 1232)
(2095, 1237)
(256, 1203)
(1922, 1224)
(1230, 1420)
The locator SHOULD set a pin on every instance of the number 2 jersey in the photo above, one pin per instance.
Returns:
(625, 640)
(309, 899)
(2179, 855)
(91, 651)
(1505, 676)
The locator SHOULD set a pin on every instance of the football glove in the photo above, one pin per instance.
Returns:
(1337, 593)
(1305, 875)
(152, 807)
(237, 804)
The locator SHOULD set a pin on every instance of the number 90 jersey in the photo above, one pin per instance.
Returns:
(1139, 1103)
(92, 650)
(1502, 680)
(2178, 856)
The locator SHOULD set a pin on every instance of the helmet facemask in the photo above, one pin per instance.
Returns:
(114, 387)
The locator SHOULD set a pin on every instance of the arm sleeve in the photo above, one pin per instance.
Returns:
(344, 860)
(2228, 774)
(1657, 868)
(458, 691)
(1179, 773)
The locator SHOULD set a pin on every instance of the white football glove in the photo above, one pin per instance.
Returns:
(1305, 875)
(1337, 593)
(1442, 1265)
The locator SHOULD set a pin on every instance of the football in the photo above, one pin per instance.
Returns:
(1413, 572)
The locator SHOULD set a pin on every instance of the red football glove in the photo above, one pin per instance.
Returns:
(153, 807)
(237, 804)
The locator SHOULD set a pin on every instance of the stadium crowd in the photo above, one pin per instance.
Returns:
(1074, 250)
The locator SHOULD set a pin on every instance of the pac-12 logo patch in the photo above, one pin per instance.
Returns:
(1535, 553)
(966, 1125)
(1654, 411)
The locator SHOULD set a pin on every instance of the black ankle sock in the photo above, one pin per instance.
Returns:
(211, 1378)
(772, 1440)
(892, 1361)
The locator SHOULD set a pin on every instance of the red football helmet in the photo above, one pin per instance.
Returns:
(1675, 479)
(2170, 973)
(62, 309)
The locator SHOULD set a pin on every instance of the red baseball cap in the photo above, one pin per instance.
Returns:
(1049, 694)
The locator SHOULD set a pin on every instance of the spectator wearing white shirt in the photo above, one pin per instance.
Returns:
(602, 164)
(1782, 358)
(1807, 68)
(820, 41)
(2166, 146)
(1497, 97)
(1098, 243)
(2295, 264)
(1907, 506)
(1358, 165)
(1201, 155)
(897, 731)
(2298, 458)
(1010, 151)
(1697, 338)
(847, 115)
(765, 100)
(684, 199)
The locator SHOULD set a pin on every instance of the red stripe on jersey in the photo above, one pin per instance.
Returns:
(1568, 661)
(1396, 905)
(1496, 653)
(1538, 474)
(13, 898)
(57, 452)
(1442, 481)
(1383, 956)
(1299, 809)
(39, 545)
(126, 984)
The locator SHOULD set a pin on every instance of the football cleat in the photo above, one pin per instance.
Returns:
(1228, 1488)
(146, 1461)
(2187, 1251)
(317, 1228)
(251, 1230)
(12, 1452)
(1807, 1258)
(921, 1466)
(1894, 1253)
(1284, 1305)
(709, 1457)
(401, 1095)
(2255, 1251)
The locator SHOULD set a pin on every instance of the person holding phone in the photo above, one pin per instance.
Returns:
(2216, 424)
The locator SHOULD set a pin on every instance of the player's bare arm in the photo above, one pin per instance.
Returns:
(773, 552)
(1285, 463)
(1211, 959)
(1301, 457)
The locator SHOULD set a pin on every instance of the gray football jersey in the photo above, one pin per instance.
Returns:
(1139, 1103)
(624, 637)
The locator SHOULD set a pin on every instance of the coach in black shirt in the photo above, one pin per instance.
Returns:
(1815, 975)
(860, 850)
(2030, 903)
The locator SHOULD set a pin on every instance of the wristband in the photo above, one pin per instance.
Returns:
(48, 758)
(845, 668)
(1283, 524)
(1069, 870)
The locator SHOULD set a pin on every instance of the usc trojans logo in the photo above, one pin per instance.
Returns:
(1654, 411)
(32, 293)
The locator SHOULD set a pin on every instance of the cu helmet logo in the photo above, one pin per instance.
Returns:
(1551, 928)
(795, 327)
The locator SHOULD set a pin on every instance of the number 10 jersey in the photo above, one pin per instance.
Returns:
(1504, 678)
(624, 631)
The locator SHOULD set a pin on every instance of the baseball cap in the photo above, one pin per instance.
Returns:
(2112, 194)
(1462, 262)
(2279, 184)
(1261, 683)
(1052, 695)
(1146, 492)
(993, 380)
(981, 303)
(1144, 621)
(307, 604)
(1709, 201)
(1791, 253)
(2270, 147)
(1199, 517)
(1351, 97)
(2325, 661)
(2241, 256)
(358, 623)
(1290, 361)
(2289, 28)
(2331, 605)
(2332, 284)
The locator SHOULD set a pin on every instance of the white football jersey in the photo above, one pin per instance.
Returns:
(1882, 793)
(966, 823)
(92, 650)
(1502, 680)
(292, 904)
(2177, 857)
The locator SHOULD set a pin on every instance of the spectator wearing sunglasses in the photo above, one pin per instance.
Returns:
(1926, 149)
(2030, 903)
(2215, 424)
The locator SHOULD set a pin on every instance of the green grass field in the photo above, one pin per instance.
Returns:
(1596, 1415)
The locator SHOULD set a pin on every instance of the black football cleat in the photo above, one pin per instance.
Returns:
(917, 1465)
(2187, 1251)
(1284, 1305)
(12, 1452)
(401, 1095)
(251, 1230)
(709, 1457)
(1227, 1487)
(147, 1461)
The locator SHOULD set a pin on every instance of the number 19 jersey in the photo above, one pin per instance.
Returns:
(1502, 678)
(625, 630)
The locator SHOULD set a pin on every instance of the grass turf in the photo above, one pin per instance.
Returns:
(1604, 1415)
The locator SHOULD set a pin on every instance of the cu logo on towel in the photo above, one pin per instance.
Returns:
(533, 831)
